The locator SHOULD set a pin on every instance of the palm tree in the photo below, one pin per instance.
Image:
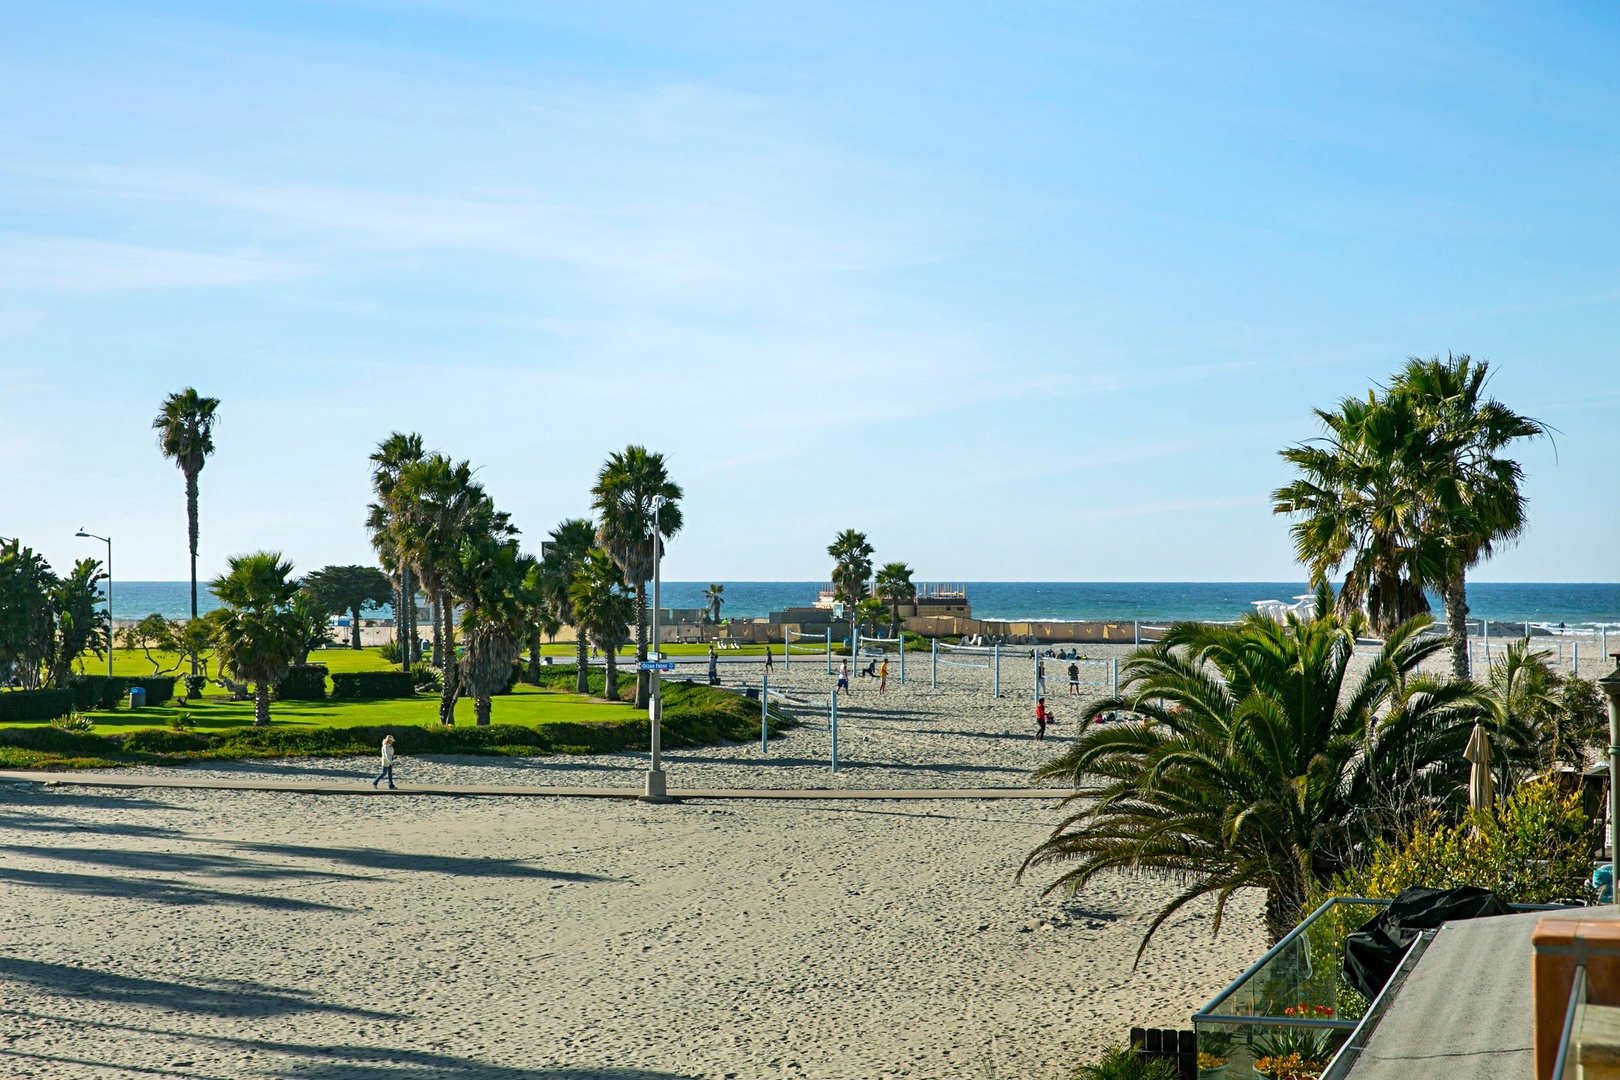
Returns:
(491, 577)
(713, 597)
(635, 500)
(1473, 491)
(438, 504)
(258, 632)
(563, 557)
(1254, 760)
(185, 427)
(1525, 718)
(1361, 505)
(893, 583)
(541, 618)
(345, 590)
(604, 610)
(852, 569)
(392, 456)
(81, 621)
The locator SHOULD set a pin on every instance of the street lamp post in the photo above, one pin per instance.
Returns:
(108, 541)
(656, 790)
(1611, 687)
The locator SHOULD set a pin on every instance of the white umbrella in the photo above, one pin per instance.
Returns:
(1481, 788)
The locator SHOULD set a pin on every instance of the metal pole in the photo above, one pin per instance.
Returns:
(1035, 655)
(902, 658)
(829, 648)
(1113, 675)
(1575, 658)
(1611, 687)
(933, 664)
(995, 682)
(787, 649)
(1136, 633)
(764, 712)
(1485, 626)
(656, 790)
(109, 608)
(832, 722)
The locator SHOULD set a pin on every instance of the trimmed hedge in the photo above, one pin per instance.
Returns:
(102, 692)
(373, 684)
(22, 706)
(303, 682)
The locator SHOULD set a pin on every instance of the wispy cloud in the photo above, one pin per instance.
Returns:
(62, 263)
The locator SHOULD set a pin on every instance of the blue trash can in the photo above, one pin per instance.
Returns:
(137, 697)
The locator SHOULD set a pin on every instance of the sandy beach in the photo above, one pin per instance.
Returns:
(232, 934)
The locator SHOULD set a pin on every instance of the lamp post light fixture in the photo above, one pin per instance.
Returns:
(108, 541)
(656, 790)
(1610, 684)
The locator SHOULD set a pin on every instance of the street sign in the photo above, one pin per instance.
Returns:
(657, 665)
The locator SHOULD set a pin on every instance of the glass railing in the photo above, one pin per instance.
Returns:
(1289, 1014)
(1567, 1066)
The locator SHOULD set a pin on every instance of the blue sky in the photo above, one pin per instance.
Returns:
(1023, 291)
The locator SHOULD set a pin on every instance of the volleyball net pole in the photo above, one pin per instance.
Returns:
(995, 680)
(764, 712)
(829, 648)
(933, 664)
(902, 640)
(832, 723)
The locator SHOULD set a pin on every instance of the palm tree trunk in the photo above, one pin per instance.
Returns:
(354, 627)
(481, 709)
(610, 688)
(191, 535)
(402, 619)
(1457, 619)
(582, 679)
(534, 657)
(452, 671)
(643, 688)
(1285, 902)
(261, 704)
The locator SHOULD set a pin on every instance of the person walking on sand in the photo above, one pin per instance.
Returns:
(883, 677)
(1042, 717)
(387, 772)
(843, 676)
(714, 666)
(1074, 679)
(770, 664)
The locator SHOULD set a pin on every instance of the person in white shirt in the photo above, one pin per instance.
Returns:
(387, 772)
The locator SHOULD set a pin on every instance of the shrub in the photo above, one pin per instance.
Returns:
(195, 685)
(104, 692)
(373, 684)
(73, 721)
(390, 651)
(426, 677)
(23, 706)
(303, 682)
(1118, 1063)
(161, 741)
(1531, 848)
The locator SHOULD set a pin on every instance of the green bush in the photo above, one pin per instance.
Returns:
(73, 721)
(390, 651)
(159, 688)
(56, 741)
(1118, 1063)
(561, 677)
(160, 741)
(23, 706)
(373, 684)
(425, 674)
(303, 682)
(104, 692)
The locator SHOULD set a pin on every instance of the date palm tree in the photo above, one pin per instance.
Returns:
(185, 427)
(564, 556)
(257, 632)
(81, 621)
(491, 577)
(1361, 504)
(852, 569)
(438, 504)
(1254, 760)
(604, 609)
(893, 583)
(713, 597)
(635, 500)
(391, 457)
(1472, 489)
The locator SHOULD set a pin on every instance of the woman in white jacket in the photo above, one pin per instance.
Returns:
(387, 763)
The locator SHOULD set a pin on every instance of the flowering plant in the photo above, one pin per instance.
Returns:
(1289, 1067)
(1319, 1012)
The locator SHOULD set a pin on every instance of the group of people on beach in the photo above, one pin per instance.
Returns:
(875, 669)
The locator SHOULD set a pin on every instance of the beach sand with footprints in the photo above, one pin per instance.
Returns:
(233, 934)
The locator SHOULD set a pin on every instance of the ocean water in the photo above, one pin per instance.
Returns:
(1152, 601)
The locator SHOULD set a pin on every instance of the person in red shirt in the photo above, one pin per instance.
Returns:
(1042, 718)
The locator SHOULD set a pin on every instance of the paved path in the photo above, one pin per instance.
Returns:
(327, 787)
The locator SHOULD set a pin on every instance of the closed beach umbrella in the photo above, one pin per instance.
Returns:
(1481, 788)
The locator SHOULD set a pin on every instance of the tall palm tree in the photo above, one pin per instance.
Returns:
(492, 578)
(258, 633)
(1473, 490)
(604, 610)
(713, 597)
(391, 457)
(1360, 505)
(438, 504)
(185, 427)
(635, 500)
(893, 583)
(852, 569)
(563, 557)
(1253, 759)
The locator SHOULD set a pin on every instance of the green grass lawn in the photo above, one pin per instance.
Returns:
(526, 705)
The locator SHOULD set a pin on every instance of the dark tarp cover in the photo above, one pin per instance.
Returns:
(1373, 952)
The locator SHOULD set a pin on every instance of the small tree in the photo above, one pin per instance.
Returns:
(258, 633)
(713, 597)
(346, 590)
(81, 625)
(604, 610)
(893, 583)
